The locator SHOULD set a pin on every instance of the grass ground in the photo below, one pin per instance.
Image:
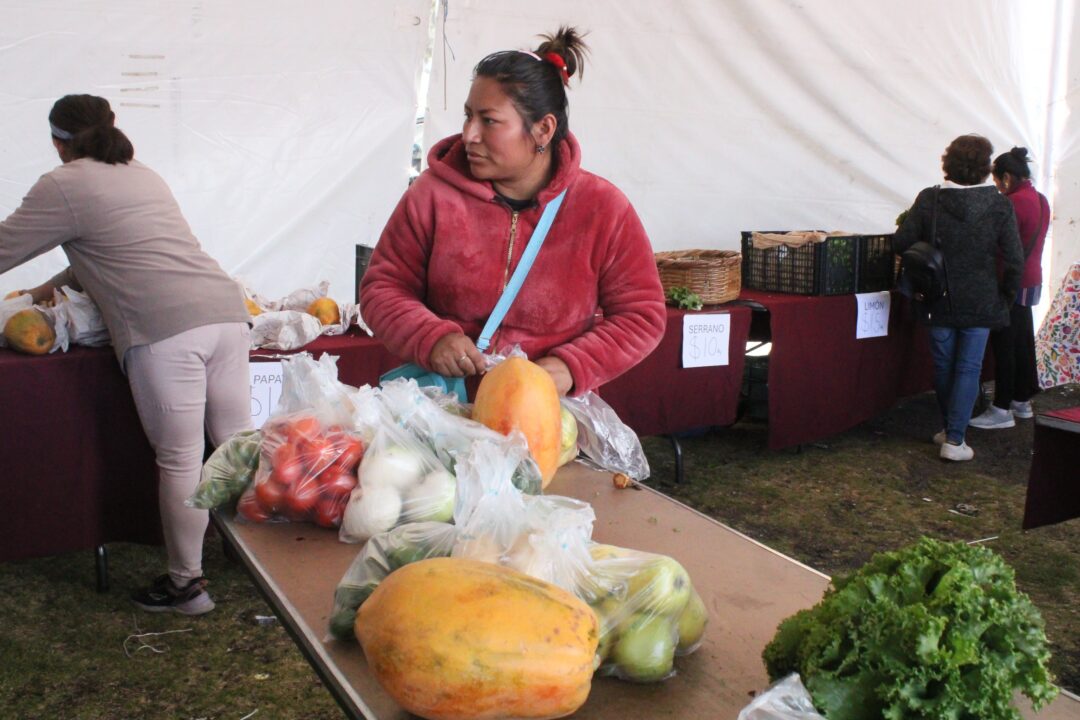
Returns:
(68, 651)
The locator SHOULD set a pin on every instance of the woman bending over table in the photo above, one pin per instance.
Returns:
(975, 225)
(177, 322)
(592, 305)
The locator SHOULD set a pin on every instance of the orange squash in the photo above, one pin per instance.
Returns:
(518, 394)
(460, 639)
(29, 331)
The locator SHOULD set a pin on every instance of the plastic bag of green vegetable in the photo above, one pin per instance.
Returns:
(936, 630)
(227, 471)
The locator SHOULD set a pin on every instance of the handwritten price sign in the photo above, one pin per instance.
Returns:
(265, 390)
(873, 318)
(705, 340)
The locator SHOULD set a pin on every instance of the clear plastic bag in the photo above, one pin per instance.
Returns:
(284, 330)
(309, 450)
(77, 320)
(400, 481)
(228, 471)
(380, 556)
(439, 421)
(604, 439)
(648, 609)
(786, 699)
(300, 301)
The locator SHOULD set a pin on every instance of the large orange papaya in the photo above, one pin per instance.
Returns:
(518, 394)
(30, 332)
(460, 639)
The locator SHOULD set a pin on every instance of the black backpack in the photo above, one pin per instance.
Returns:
(922, 266)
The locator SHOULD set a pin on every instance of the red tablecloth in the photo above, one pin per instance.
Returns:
(659, 396)
(821, 379)
(78, 470)
(1053, 492)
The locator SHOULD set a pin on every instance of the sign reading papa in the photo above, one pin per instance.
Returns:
(265, 390)
(706, 339)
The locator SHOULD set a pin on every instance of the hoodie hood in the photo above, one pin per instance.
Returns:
(969, 204)
(447, 161)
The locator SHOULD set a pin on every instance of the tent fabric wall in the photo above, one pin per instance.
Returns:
(720, 117)
(1065, 121)
(284, 129)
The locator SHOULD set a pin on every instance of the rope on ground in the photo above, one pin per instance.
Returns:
(143, 645)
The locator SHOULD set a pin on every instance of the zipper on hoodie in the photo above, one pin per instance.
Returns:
(509, 258)
(510, 247)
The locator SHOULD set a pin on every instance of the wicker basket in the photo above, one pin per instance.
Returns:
(714, 275)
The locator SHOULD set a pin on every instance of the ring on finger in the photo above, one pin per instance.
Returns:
(463, 357)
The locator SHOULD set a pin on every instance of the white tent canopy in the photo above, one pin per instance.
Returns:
(286, 130)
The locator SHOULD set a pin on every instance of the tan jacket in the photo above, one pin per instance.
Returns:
(129, 247)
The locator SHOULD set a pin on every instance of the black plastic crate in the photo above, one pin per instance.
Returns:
(824, 268)
(877, 263)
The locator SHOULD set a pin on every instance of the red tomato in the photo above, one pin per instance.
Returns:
(300, 499)
(352, 452)
(283, 454)
(270, 494)
(316, 453)
(288, 474)
(249, 509)
(305, 426)
(333, 469)
(339, 485)
(328, 511)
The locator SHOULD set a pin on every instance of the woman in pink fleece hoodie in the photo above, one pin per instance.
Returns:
(591, 307)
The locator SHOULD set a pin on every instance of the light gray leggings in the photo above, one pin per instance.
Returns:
(194, 379)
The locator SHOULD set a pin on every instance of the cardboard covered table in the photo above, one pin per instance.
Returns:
(747, 587)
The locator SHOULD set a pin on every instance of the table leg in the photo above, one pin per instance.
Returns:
(101, 561)
(678, 458)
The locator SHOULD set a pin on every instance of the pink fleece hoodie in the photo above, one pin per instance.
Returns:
(593, 297)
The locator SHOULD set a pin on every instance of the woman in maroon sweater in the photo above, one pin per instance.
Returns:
(1015, 381)
(591, 307)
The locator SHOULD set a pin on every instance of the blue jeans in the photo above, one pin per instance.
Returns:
(958, 355)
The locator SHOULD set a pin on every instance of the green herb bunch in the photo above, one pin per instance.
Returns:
(937, 630)
(681, 297)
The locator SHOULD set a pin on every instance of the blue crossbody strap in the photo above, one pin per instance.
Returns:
(522, 270)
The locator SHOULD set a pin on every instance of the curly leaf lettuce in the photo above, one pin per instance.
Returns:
(934, 631)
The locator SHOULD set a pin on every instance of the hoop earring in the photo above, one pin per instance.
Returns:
(541, 149)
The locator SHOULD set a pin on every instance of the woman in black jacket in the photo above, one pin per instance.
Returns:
(975, 225)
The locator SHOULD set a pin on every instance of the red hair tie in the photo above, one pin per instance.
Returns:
(556, 60)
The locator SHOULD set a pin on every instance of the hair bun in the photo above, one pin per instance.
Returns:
(1020, 153)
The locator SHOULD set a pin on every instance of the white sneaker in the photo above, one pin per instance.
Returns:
(994, 419)
(956, 453)
(940, 437)
(1022, 410)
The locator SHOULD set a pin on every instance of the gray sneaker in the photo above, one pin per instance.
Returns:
(164, 596)
(994, 419)
(1022, 410)
(956, 453)
(940, 437)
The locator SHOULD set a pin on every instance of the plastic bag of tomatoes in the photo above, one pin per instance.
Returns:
(307, 469)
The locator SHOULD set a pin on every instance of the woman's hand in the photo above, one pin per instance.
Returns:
(40, 295)
(559, 372)
(455, 355)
